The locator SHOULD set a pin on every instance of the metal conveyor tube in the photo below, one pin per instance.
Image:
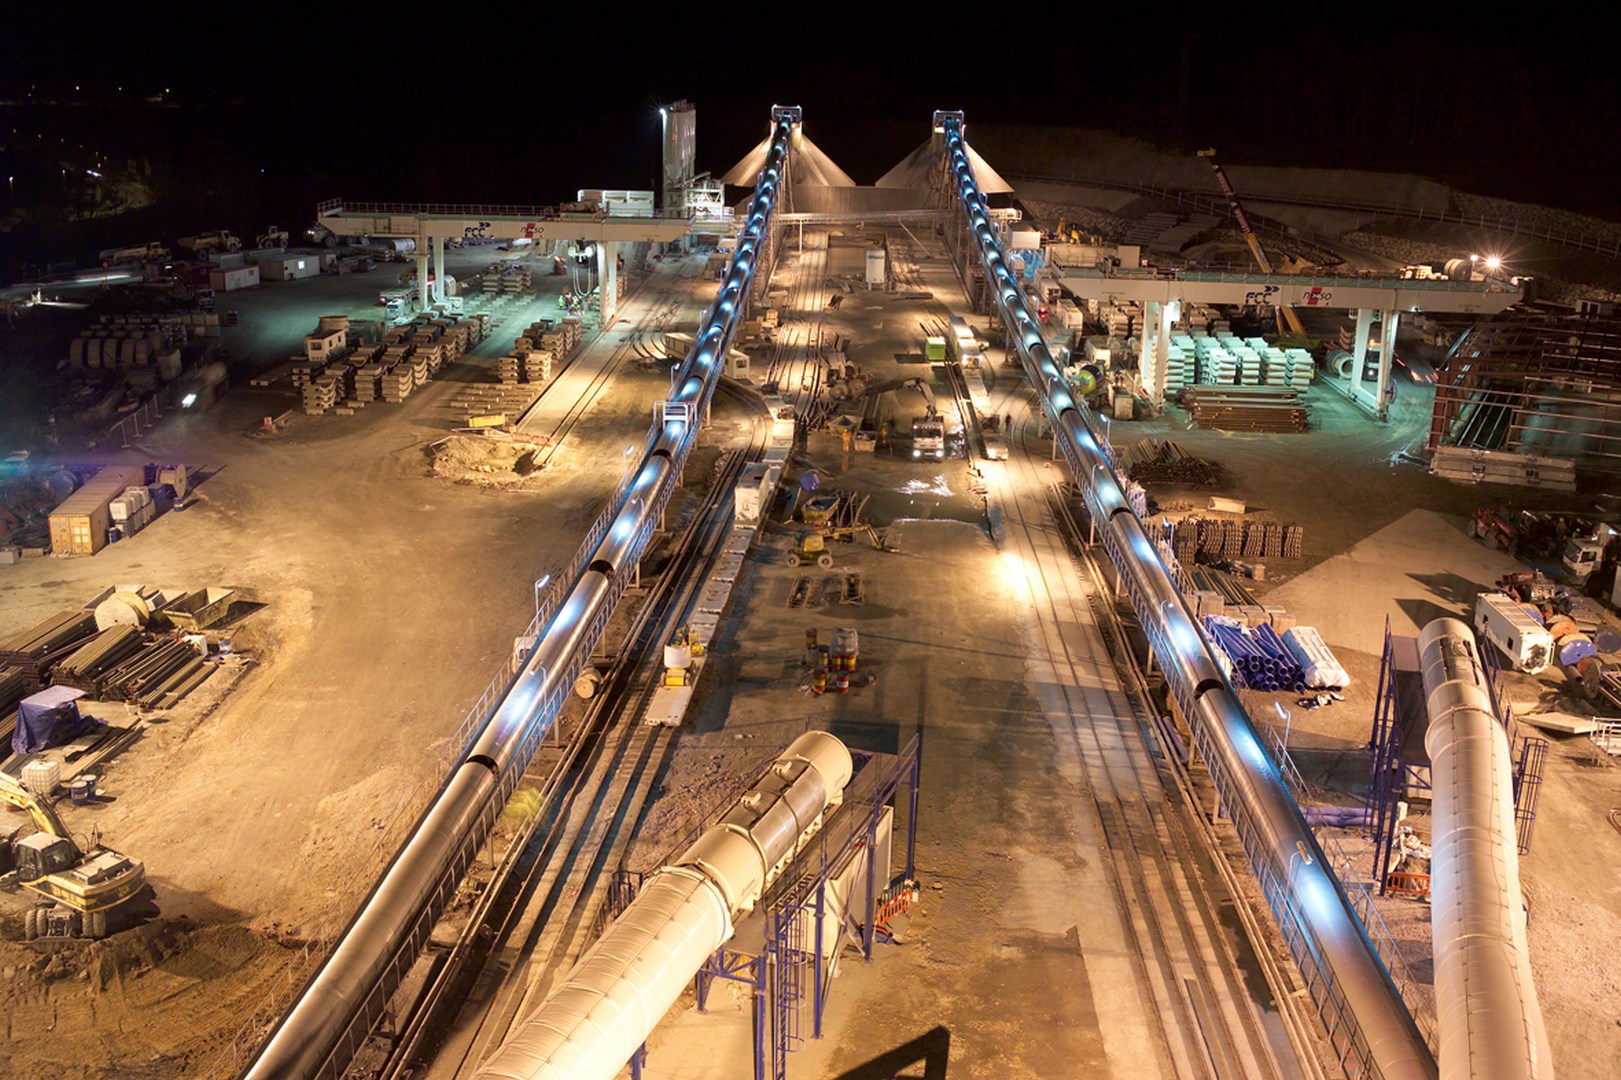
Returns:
(1485, 999)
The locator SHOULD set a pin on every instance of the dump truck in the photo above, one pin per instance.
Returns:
(86, 888)
(152, 251)
(203, 243)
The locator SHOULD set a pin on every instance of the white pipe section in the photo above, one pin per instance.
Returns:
(592, 1023)
(1486, 1003)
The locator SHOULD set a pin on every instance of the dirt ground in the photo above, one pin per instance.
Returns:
(389, 600)
(390, 597)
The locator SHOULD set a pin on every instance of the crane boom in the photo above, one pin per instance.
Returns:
(1251, 238)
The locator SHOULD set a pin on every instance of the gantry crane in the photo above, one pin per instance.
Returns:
(1286, 314)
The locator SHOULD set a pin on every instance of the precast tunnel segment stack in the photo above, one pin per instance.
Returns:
(1373, 1031)
(349, 991)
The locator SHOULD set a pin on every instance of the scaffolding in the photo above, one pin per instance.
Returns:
(1535, 382)
(778, 950)
(1400, 765)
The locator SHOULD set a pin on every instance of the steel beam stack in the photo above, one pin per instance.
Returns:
(34, 650)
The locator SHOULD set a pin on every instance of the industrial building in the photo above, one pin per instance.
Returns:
(915, 650)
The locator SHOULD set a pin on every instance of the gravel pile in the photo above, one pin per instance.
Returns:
(1538, 218)
(1088, 219)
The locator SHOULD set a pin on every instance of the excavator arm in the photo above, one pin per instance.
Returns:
(44, 817)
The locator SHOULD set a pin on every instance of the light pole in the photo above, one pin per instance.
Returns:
(540, 583)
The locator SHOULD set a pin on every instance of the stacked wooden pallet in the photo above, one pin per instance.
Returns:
(1246, 408)
(485, 400)
(367, 382)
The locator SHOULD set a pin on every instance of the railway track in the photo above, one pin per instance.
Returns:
(1206, 1023)
(796, 362)
(662, 308)
(545, 901)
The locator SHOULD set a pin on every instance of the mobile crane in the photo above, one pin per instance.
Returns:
(1286, 314)
(86, 885)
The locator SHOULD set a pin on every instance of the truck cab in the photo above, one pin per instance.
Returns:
(929, 437)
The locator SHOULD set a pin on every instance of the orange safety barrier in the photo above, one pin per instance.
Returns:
(1406, 883)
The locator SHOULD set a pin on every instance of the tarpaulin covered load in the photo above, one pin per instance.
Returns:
(50, 718)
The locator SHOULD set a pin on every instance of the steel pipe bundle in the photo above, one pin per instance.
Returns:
(84, 667)
(1490, 1020)
(1356, 993)
(350, 990)
(1259, 657)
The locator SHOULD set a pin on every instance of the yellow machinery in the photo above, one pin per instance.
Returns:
(86, 886)
(1286, 314)
(812, 548)
(813, 543)
(678, 657)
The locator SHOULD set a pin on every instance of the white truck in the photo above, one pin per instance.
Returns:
(1517, 633)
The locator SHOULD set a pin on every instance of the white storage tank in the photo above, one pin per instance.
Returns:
(875, 266)
(42, 778)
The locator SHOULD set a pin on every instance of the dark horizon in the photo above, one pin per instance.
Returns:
(1498, 113)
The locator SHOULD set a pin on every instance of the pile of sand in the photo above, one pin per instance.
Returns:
(495, 460)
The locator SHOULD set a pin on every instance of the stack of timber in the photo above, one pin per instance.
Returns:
(1498, 467)
(1245, 408)
(1156, 461)
(87, 667)
(34, 650)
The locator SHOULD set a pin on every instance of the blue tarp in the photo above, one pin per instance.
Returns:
(50, 718)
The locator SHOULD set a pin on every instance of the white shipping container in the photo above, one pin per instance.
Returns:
(1516, 633)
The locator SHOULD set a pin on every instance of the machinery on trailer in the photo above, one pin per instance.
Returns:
(86, 887)
(1507, 624)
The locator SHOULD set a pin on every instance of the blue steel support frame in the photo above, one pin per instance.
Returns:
(783, 960)
(1384, 764)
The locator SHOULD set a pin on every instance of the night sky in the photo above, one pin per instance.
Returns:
(526, 106)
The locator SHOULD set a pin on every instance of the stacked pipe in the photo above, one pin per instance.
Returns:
(1260, 659)
(158, 676)
(34, 650)
(85, 668)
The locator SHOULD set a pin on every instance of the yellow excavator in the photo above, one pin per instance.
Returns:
(86, 886)
(1286, 314)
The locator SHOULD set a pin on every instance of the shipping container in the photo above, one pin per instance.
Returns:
(79, 525)
(281, 266)
(240, 277)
